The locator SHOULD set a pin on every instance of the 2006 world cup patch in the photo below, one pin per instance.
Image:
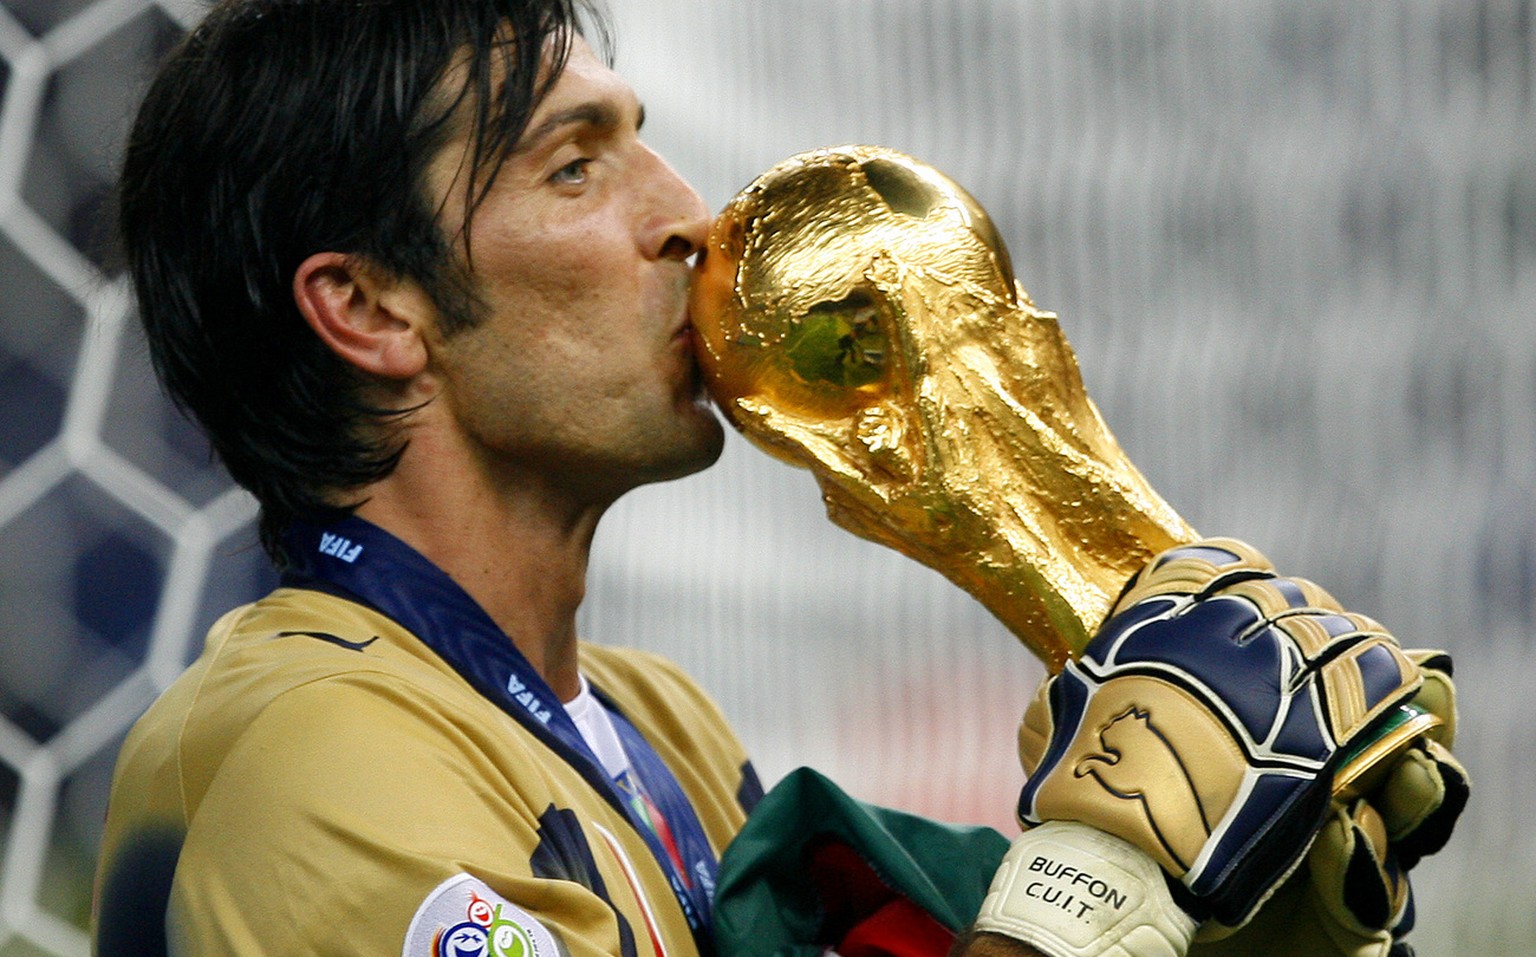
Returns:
(462, 917)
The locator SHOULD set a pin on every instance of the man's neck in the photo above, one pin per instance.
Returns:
(522, 556)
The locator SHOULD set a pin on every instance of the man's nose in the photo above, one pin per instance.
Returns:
(679, 220)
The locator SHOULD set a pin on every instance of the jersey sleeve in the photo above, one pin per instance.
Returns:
(353, 817)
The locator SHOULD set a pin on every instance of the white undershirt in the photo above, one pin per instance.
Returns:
(596, 729)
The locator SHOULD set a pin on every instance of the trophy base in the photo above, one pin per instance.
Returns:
(1369, 761)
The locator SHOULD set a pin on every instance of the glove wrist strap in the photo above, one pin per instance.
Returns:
(1071, 890)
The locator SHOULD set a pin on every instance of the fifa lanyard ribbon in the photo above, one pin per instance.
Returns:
(360, 561)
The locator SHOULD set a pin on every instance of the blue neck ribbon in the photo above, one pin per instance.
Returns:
(357, 560)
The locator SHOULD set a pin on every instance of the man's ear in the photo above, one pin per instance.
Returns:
(374, 321)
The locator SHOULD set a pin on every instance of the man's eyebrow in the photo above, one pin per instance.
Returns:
(597, 114)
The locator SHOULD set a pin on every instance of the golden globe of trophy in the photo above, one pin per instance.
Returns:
(858, 315)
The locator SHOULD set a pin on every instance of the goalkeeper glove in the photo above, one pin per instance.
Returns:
(1186, 760)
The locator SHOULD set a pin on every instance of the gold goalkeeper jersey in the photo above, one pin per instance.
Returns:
(323, 781)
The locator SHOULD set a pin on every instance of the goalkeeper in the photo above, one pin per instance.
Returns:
(412, 268)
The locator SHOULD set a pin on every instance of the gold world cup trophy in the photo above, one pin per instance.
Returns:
(858, 315)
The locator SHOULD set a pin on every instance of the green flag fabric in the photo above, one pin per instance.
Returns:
(812, 864)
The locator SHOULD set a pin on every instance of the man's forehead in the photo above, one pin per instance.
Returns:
(584, 80)
(587, 91)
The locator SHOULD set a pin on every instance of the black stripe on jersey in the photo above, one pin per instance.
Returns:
(563, 854)
(332, 639)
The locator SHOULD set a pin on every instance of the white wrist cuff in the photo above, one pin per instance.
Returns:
(1072, 890)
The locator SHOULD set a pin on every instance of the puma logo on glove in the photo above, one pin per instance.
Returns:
(1138, 763)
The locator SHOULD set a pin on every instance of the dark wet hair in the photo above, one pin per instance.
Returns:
(282, 128)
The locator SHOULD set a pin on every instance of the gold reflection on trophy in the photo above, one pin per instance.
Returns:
(858, 315)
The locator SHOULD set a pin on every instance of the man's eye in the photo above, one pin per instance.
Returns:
(574, 172)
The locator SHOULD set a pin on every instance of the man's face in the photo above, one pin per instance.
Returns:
(582, 371)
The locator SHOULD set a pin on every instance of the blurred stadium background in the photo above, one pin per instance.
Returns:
(1294, 244)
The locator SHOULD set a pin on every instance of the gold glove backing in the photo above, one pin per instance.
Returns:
(1205, 721)
(1357, 884)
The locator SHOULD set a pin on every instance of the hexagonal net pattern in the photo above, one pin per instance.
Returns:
(111, 511)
